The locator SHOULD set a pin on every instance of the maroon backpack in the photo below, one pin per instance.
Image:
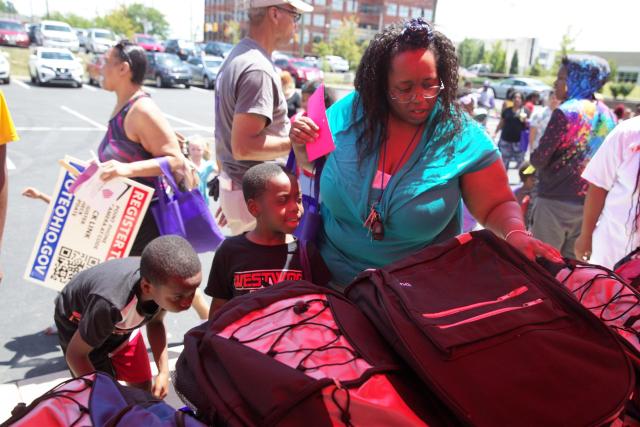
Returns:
(496, 337)
(298, 354)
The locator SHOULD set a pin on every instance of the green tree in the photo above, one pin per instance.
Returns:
(513, 68)
(72, 19)
(613, 77)
(498, 58)
(566, 47)
(322, 49)
(535, 70)
(470, 51)
(118, 21)
(346, 45)
(232, 32)
(479, 55)
(7, 6)
(148, 18)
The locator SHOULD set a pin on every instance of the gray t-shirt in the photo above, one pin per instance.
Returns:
(247, 83)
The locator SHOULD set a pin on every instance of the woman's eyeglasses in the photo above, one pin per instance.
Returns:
(295, 15)
(405, 97)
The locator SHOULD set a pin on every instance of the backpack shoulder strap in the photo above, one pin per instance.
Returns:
(304, 260)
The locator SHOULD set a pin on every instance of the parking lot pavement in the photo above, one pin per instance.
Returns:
(52, 122)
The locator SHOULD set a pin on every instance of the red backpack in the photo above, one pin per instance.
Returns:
(495, 337)
(297, 354)
(629, 268)
(100, 401)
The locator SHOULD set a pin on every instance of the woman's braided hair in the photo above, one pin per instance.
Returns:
(371, 80)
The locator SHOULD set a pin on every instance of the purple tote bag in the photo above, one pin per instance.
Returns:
(184, 213)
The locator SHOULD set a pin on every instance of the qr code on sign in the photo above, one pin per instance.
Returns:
(70, 263)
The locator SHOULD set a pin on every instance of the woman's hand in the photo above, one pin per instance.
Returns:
(532, 247)
(582, 247)
(303, 131)
(113, 168)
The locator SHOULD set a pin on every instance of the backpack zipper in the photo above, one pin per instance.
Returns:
(516, 292)
(492, 313)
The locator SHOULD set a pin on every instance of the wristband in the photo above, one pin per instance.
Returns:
(528, 233)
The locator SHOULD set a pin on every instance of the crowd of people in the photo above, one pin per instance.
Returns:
(410, 156)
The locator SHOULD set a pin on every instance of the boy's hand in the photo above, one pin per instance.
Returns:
(160, 387)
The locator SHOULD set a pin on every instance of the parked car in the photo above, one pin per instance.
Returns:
(335, 64)
(479, 69)
(148, 42)
(12, 33)
(205, 70)
(94, 69)
(57, 34)
(183, 48)
(166, 69)
(218, 49)
(525, 85)
(32, 33)
(300, 70)
(313, 60)
(279, 55)
(82, 36)
(100, 40)
(5, 68)
(55, 65)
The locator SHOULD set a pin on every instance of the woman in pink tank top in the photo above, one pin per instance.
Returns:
(138, 132)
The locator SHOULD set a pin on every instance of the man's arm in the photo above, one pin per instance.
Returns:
(249, 142)
(78, 356)
(216, 303)
(157, 336)
(593, 205)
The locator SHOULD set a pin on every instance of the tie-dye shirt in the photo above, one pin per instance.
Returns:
(574, 133)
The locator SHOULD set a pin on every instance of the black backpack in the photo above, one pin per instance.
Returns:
(496, 337)
(298, 354)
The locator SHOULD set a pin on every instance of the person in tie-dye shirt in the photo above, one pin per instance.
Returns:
(574, 134)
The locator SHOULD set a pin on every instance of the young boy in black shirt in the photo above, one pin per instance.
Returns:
(269, 254)
(99, 312)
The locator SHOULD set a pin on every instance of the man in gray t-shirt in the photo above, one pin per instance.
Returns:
(250, 107)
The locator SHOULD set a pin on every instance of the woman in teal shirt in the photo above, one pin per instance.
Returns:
(405, 157)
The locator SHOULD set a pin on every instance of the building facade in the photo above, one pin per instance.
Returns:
(324, 22)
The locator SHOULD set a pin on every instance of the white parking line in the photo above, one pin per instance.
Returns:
(188, 123)
(89, 87)
(83, 117)
(10, 165)
(149, 89)
(199, 89)
(21, 83)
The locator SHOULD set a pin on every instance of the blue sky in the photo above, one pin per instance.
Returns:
(596, 24)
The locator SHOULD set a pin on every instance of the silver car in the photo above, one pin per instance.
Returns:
(525, 85)
(205, 69)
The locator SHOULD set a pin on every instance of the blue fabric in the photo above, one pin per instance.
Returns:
(422, 202)
(203, 173)
(586, 74)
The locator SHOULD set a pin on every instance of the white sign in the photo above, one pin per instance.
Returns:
(75, 236)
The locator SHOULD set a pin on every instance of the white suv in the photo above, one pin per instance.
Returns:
(57, 34)
(99, 40)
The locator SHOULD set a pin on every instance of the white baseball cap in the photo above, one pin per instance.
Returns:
(298, 4)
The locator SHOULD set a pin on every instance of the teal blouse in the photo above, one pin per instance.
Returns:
(421, 204)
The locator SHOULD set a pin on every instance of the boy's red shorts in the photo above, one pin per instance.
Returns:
(131, 362)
